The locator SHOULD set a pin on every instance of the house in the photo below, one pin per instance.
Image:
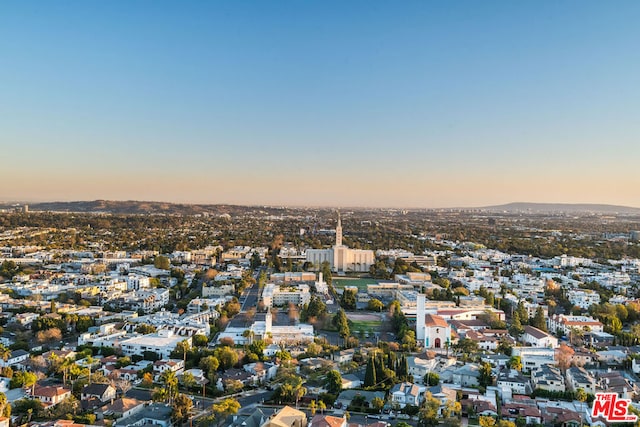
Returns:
(50, 395)
(246, 378)
(123, 407)
(346, 396)
(262, 371)
(287, 417)
(480, 407)
(467, 375)
(527, 410)
(614, 382)
(406, 394)
(343, 356)
(16, 357)
(101, 392)
(157, 414)
(514, 381)
(252, 419)
(538, 338)
(162, 366)
(485, 342)
(351, 381)
(328, 421)
(533, 358)
(548, 378)
(579, 378)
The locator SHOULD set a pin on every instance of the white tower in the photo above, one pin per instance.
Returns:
(339, 232)
(268, 321)
(420, 317)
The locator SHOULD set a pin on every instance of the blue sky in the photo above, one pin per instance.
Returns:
(359, 103)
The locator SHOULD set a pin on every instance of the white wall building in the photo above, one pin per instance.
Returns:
(162, 343)
(340, 257)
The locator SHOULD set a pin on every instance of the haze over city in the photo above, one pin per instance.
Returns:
(418, 104)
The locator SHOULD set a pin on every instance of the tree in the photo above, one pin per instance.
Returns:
(581, 395)
(326, 272)
(162, 262)
(145, 329)
(5, 408)
(322, 406)
(348, 299)
(539, 320)
(486, 375)
(189, 381)
(429, 410)
(200, 340)
(170, 381)
(228, 406)
(432, 379)
(486, 421)
(49, 335)
(341, 322)
(227, 357)
(334, 382)
(375, 305)
(515, 363)
(370, 373)
(377, 404)
(181, 407)
(312, 407)
(516, 328)
(209, 365)
(147, 380)
(256, 261)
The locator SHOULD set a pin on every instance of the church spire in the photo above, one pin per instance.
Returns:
(339, 231)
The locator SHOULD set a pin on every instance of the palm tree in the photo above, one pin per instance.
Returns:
(170, 381)
(4, 353)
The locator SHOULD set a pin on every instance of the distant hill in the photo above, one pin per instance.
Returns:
(562, 207)
(134, 207)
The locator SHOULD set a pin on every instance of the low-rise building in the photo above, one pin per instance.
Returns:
(404, 394)
(538, 338)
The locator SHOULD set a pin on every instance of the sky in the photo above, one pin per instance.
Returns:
(321, 103)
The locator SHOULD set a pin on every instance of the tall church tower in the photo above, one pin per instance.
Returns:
(339, 232)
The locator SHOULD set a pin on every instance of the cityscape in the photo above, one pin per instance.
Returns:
(319, 214)
(270, 316)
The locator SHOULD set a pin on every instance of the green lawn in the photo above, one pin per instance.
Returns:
(365, 325)
(360, 283)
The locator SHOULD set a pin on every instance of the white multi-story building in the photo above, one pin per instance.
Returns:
(566, 323)
(217, 291)
(274, 295)
(583, 298)
(340, 257)
(162, 343)
(533, 358)
(136, 282)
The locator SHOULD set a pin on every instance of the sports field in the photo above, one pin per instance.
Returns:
(360, 283)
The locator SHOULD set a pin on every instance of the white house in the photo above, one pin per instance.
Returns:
(538, 338)
(407, 394)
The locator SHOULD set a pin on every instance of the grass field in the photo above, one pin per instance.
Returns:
(360, 283)
(365, 325)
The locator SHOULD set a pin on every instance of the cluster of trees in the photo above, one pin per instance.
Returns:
(385, 368)
(315, 309)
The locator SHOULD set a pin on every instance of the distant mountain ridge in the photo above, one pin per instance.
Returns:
(127, 207)
(563, 207)
(133, 207)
